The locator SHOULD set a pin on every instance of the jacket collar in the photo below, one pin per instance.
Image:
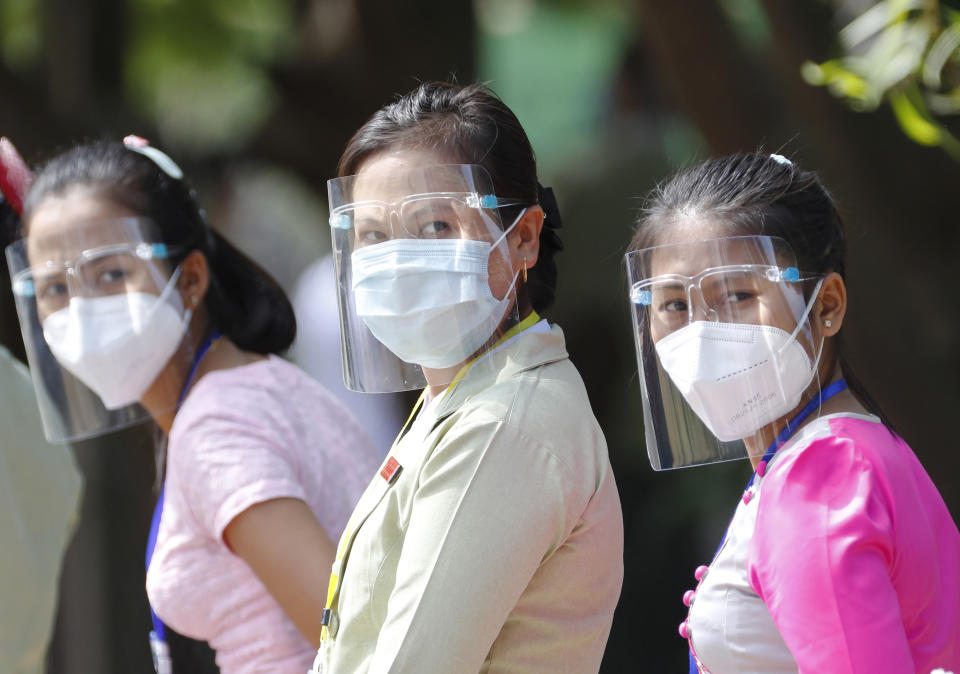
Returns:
(538, 345)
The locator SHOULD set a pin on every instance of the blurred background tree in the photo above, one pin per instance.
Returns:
(904, 53)
(256, 98)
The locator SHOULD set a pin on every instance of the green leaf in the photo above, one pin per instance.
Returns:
(835, 75)
(912, 120)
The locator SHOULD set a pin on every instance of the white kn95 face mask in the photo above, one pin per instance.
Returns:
(117, 345)
(736, 377)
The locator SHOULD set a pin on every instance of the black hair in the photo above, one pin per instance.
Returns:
(760, 194)
(243, 302)
(474, 125)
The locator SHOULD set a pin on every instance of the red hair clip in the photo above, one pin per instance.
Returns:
(15, 175)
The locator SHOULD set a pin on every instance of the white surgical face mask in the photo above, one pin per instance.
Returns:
(117, 345)
(429, 300)
(737, 377)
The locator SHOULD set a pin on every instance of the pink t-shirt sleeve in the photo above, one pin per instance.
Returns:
(229, 445)
(821, 560)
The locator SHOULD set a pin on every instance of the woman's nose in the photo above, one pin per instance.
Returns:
(699, 309)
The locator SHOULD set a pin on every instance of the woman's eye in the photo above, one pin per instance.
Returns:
(371, 236)
(434, 228)
(674, 306)
(738, 296)
(52, 290)
(111, 276)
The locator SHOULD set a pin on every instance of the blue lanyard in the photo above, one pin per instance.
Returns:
(784, 435)
(158, 627)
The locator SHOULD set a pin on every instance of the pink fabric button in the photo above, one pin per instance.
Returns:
(747, 495)
(761, 468)
(700, 572)
(688, 597)
(684, 630)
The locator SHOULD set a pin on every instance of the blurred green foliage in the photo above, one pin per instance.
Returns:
(20, 32)
(534, 54)
(198, 69)
(904, 53)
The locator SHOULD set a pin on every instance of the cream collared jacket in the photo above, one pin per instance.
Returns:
(497, 544)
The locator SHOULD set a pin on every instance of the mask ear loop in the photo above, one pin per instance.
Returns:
(793, 336)
(508, 229)
(169, 292)
(501, 238)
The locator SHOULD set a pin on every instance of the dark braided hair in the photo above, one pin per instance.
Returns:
(760, 194)
(474, 125)
(243, 301)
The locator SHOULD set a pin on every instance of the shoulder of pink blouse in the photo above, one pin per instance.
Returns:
(824, 548)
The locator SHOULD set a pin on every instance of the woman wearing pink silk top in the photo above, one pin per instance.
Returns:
(133, 308)
(841, 556)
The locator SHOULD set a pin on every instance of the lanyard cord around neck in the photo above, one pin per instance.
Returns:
(159, 628)
(784, 435)
(532, 319)
(792, 425)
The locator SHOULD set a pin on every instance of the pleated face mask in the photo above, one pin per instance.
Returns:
(117, 345)
(429, 300)
(737, 378)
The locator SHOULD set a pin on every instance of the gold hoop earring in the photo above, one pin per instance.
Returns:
(524, 269)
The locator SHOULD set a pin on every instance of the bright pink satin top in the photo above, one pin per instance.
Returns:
(847, 551)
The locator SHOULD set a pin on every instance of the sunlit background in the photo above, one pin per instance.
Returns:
(256, 99)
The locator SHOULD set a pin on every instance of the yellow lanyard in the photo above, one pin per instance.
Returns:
(346, 539)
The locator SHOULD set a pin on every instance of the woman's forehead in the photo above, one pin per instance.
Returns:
(62, 227)
(691, 258)
(395, 174)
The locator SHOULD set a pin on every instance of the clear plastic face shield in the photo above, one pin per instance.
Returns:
(425, 278)
(724, 344)
(101, 319)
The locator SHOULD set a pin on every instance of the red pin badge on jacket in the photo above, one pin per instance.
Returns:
(15, 176)
(391, 470)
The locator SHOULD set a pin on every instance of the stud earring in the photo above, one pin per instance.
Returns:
(194, 300)
(828, 323)
(524, 269)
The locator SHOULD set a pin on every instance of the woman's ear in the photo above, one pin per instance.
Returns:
(524, 238)
(832, 306)
(194, 279)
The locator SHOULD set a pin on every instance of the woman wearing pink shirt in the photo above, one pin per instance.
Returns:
(841, 555)
(132, 307)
